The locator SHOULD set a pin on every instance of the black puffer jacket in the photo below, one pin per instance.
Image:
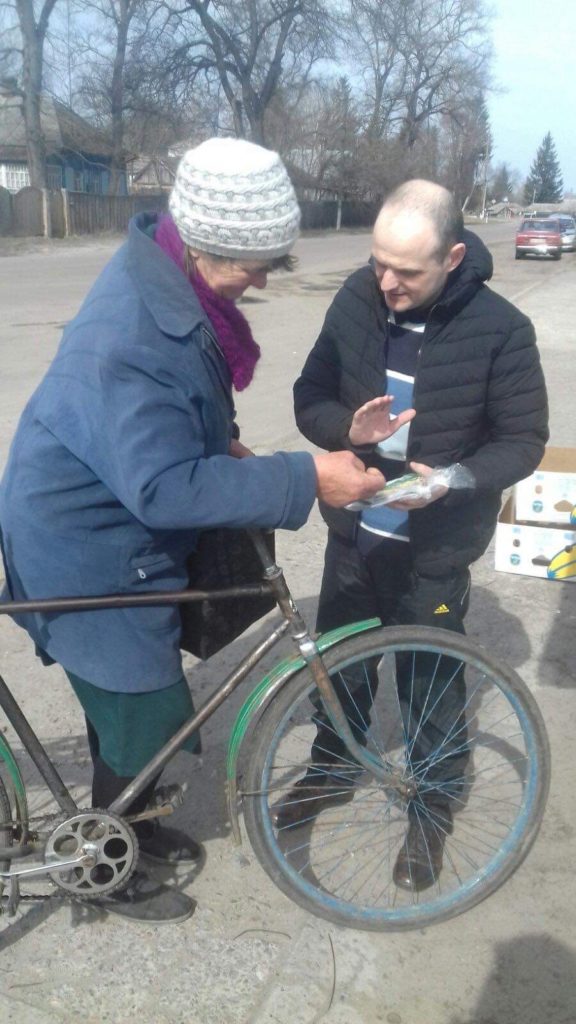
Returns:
(479, 394)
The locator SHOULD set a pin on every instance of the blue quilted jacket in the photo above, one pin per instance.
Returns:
(119, 458)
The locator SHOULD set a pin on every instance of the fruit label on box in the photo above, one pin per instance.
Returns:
(547, 497)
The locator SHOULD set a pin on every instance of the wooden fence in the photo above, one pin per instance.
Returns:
(89, 214)
(60, 213)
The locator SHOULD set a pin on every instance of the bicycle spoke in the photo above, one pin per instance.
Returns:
(447, 720)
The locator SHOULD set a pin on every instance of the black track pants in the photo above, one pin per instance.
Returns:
(381, 583)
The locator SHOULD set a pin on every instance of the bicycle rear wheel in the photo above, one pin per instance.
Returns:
(6, 835)
(13, 822)
(456, 722)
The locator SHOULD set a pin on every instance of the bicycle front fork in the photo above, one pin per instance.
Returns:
(383, 771)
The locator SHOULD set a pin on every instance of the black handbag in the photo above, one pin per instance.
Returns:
(223, 558)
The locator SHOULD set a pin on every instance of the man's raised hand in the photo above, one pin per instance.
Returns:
(372, 422)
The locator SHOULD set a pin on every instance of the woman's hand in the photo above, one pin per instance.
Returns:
(372, 422)
(238, 450)
(342, 478)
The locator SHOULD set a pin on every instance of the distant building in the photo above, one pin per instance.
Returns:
(504, 210)
(151, 173)
(78, 155)
(566, 205)
(155, 173)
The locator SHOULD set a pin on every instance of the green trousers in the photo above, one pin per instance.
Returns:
(132, 727)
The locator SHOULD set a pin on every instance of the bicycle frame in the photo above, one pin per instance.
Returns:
(310, 653)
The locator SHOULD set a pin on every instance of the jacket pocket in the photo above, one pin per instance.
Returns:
(155, 572)
(151, 567)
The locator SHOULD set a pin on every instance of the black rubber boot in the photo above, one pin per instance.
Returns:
(166, 845)
(157, 843)
(144, 899)
(148, 901)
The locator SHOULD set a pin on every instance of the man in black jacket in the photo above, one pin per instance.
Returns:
(418, 323)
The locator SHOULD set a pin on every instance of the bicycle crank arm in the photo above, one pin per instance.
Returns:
(86, 860)
(151, 812)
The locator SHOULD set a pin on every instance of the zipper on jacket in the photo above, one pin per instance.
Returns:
(408, 460)
(417, 369)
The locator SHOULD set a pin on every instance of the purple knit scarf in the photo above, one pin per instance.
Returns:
(232, 329)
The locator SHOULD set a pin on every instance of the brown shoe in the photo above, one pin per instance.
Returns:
(419, 862)
(308, 798)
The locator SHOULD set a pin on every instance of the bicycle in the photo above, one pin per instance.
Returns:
(338, 863)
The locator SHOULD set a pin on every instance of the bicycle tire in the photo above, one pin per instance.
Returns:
(6, 833)
(13, 822)
(505, 750)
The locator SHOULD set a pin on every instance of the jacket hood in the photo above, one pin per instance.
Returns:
(464, 282)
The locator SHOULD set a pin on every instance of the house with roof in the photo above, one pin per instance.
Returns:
(504, 210)
(566, 205)
(154, 174)
(78, 155)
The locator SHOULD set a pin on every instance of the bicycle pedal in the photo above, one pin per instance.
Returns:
(170, 795)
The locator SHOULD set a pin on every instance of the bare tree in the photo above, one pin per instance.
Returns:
(158, 70)
(249, 47)
(370, 35)
(318, 135)
(467, 147)
(9, 51)
(444, 57)
(120, 13)
(33, 35)
(109, 32)
(418, 58)
(107, 58)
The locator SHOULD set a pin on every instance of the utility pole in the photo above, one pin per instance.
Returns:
(484, 185)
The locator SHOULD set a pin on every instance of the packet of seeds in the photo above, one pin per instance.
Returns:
(413, 486)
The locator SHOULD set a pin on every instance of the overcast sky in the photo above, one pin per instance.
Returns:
(535, 61)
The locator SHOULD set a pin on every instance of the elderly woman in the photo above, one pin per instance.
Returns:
(129, 447)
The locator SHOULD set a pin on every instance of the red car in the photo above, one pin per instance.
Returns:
(539, 237)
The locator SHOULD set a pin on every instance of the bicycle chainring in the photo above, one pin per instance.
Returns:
(109, 845)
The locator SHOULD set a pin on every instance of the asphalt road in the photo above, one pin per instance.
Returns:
(249, 956)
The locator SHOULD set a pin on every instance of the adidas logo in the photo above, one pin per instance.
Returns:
(442, 609)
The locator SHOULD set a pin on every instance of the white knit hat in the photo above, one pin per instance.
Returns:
(235, 199)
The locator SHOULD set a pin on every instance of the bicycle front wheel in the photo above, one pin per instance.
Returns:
(462, 729)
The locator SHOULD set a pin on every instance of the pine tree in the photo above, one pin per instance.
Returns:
(544, 183)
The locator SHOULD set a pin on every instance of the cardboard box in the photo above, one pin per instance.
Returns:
(549, 495)
(527, 549)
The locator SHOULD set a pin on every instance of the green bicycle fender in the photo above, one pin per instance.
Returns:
(261, 696)
(14, 781)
